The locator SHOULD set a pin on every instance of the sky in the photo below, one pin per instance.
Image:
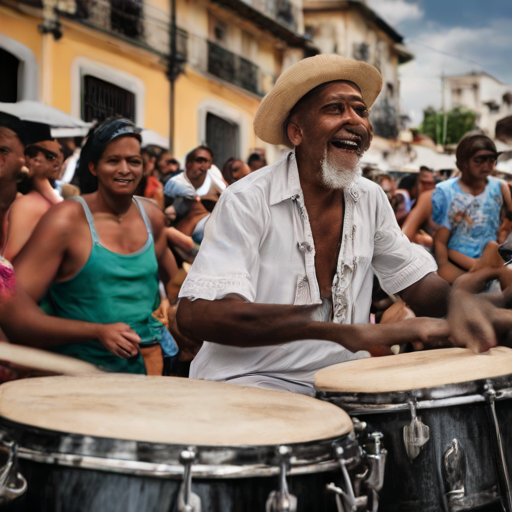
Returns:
(451, 37)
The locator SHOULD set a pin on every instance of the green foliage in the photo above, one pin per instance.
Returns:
(458, 122)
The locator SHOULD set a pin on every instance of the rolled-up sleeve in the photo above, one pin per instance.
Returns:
(396, 261)
(228, 261)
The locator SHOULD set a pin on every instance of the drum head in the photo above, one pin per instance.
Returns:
(43, 361)
(170, 410)
(416, 370)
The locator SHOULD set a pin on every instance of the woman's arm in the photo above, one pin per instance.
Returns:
(25, 323)
(418, 215)
(461, 259)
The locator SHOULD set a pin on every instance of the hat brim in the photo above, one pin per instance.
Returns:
(301, 78)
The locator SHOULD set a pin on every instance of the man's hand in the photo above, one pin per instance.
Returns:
(119, 339)
(422, 332)
(475, 320)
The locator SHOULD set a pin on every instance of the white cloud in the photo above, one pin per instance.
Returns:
(396, 11)
(471, 49)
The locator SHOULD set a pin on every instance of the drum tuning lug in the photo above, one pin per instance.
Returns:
(187, 500)
(282, 500)
(351, 503)
(375, 454)
(416, 434)
(12, 483)
(454, 470)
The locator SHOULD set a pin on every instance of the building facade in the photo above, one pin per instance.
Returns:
(482, 93)
(351, 29)
(95, 58)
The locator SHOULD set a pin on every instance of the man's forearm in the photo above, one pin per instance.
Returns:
(244, 324)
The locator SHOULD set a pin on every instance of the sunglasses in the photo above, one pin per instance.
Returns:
(486, 158)
(33, 151)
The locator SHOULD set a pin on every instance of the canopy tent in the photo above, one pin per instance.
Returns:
(62, 124)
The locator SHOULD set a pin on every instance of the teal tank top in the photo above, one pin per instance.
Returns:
(111, 288)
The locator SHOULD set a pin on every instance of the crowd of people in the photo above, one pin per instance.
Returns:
(98, 236)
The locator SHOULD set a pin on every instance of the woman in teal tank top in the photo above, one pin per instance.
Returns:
(118, 280)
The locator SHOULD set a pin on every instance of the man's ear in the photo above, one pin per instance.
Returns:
(294, 132)
(92, 169)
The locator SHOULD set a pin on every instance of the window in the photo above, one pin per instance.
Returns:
(102, 99)
(218, 31)
(223, 137)
(9, 65)
(361, 52)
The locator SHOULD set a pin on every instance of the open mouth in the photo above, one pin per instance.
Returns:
(347, 144)
(125, 181)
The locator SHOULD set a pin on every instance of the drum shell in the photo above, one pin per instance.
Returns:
(418, 485)
(53, 488)
(60, 487)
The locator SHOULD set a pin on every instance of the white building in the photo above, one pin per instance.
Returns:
(481, 92)
(352, 29)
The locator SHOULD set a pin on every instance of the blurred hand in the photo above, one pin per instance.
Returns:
(119, 339)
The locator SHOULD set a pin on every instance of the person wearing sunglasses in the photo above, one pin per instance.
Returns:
(195, 192)
(43, 160)
(468, 210)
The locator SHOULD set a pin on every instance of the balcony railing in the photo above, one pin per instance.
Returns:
(233, 68)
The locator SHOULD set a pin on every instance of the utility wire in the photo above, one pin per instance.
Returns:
(448, 54)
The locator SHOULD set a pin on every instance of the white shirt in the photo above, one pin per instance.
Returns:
(258, 244)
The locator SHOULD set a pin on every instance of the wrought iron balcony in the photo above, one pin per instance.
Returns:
(233, 68)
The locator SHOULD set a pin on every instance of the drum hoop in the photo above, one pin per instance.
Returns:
(425, 398)
(162, 460)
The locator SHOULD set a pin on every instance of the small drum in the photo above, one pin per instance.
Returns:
(20, 361)
(446, 417)
(127, 443)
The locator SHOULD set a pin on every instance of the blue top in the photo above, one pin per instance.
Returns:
(473, 221)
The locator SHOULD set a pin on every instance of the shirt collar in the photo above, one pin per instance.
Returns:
(286, 182)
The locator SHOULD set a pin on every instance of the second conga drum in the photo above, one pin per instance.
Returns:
(119, 443)
(20, 361)
(446, 416)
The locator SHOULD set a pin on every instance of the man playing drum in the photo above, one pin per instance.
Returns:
(290, 251)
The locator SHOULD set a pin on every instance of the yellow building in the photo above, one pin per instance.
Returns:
(94, 58)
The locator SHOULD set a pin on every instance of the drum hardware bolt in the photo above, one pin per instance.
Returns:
(501, 461)
(416, 434)
(282, 500)
(187, 500)
(359, 426)
(454, 470)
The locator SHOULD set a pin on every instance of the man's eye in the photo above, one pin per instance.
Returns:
(362, 111)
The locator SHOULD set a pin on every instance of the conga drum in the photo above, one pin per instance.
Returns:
(21, 361)
(446, 416)
(128, 443)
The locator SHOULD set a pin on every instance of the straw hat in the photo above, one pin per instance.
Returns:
(301, 78)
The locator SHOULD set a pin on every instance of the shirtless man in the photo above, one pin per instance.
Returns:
(44, 161)
(290, 251)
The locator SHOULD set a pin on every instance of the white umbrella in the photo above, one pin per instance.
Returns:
(152, 138)
(28, 110)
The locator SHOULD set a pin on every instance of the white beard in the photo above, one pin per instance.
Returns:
(340, 170)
